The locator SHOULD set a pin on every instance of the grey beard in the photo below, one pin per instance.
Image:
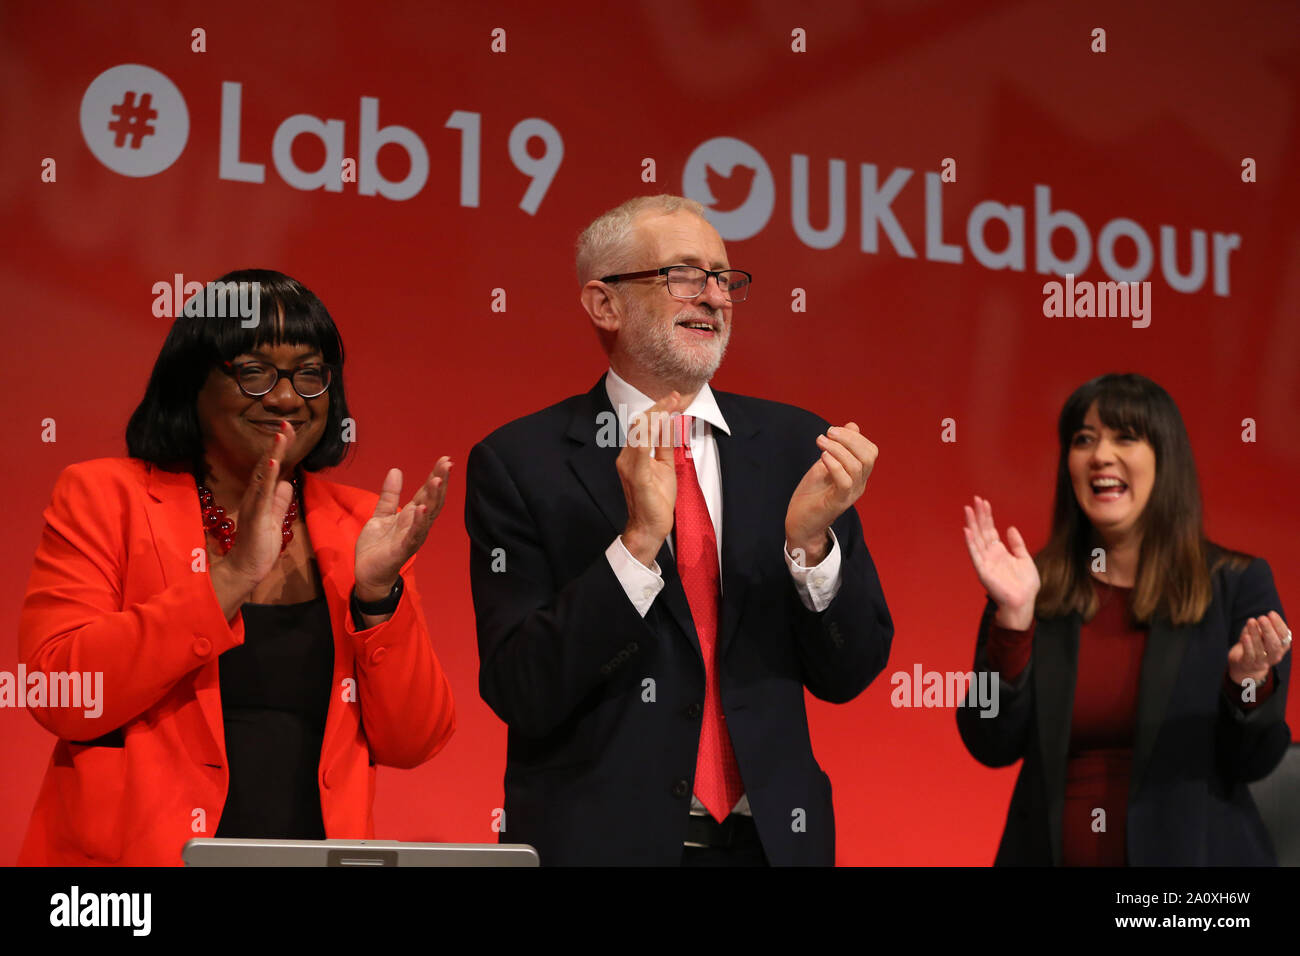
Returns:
(653, 349)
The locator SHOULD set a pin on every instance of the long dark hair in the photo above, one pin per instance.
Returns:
(1175, 559)
(164, 428)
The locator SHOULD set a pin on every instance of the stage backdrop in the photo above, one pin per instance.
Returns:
(902, 178)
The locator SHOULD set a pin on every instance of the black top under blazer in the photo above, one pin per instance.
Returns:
(1194, 749)
(604, 707)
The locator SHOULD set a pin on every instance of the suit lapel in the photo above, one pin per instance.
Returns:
(176, 522)
(740, 463)
(335, 551)
(1161, 659)
(595, 467)
(335, 554)
(593, 463)
(1056, 661)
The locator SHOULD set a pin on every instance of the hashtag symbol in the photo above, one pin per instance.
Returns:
(133, 120)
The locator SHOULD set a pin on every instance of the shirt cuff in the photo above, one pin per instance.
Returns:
(641, 584)
(817, 586)
(1009, 651)
(1263, 690)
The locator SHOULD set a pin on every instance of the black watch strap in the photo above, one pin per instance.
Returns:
(385, 605)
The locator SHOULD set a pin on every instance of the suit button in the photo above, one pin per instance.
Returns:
(694, 710)
(377, 655)
(202, 647)
(681, 788)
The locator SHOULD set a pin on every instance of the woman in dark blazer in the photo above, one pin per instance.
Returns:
(1142, 669)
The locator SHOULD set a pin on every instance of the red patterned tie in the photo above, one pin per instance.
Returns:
(717, 776)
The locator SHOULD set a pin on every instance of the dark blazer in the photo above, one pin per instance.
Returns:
(603, 706)
(1194, 749)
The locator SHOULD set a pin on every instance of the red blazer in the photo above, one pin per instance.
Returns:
(114, 590)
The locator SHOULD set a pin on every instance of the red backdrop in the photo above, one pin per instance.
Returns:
(897, 333)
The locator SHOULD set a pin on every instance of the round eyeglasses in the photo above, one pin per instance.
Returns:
(256, 379)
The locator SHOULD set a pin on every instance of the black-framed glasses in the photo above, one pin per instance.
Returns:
(256, 379)
(686, 282)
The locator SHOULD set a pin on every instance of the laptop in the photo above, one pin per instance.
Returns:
(353, 853)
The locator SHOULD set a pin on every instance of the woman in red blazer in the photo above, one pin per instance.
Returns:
(261, 641)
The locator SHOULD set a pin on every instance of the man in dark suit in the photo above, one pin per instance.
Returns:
(654, 591)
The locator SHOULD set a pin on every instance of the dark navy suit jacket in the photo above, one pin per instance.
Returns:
(604, 706)
(1194, 749)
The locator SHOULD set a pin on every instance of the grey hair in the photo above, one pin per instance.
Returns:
(606, 247)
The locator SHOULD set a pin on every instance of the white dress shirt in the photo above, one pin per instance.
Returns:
(816, 586)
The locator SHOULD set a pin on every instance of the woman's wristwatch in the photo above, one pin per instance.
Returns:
(386, 605)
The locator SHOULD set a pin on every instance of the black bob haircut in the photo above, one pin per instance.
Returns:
(164, 428)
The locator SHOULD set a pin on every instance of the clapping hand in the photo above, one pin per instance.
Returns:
(1264, 641)
(648, 473)
(391, 536)
(1008, 574)
(262, 509)
(830, 487)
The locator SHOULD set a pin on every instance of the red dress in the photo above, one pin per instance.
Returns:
(1108, 672)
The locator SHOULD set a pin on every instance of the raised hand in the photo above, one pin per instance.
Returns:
(391, 535)
(649, 478)
(828, 489)
(1008, 574)
(1264, 641)
(259, 534)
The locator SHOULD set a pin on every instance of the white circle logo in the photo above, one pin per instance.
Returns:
(134, 120)
(730, 174)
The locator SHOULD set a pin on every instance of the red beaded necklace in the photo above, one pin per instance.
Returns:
(223, 528)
